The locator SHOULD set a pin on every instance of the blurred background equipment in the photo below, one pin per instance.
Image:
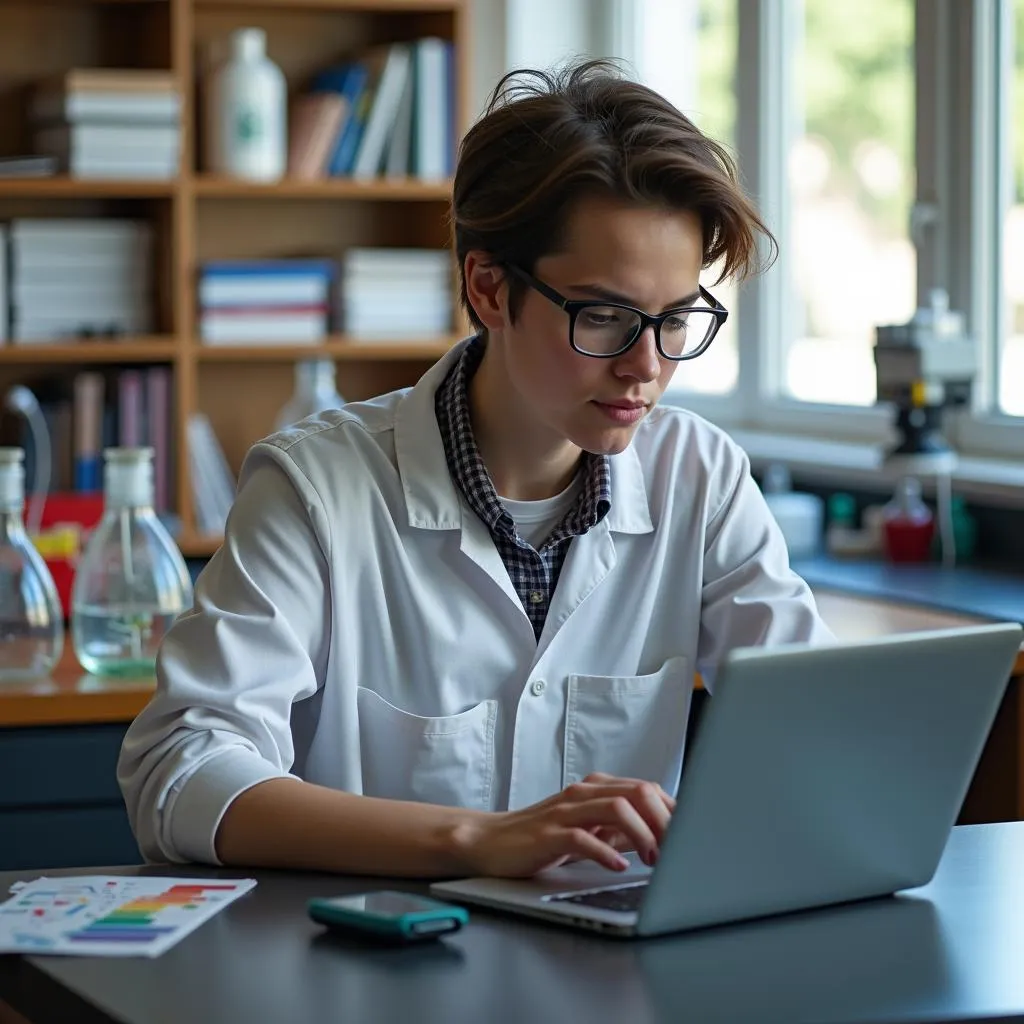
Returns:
(923, 367)
(315, 391)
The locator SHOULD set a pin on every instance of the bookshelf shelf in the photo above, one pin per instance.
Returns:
(336, 347)
(356, 6)
(63, 187)
(88, 3)
(156, 349)
(329, 188)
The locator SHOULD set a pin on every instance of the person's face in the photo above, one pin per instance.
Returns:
(643, 256)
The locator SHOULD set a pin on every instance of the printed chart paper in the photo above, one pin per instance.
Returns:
(109, 915)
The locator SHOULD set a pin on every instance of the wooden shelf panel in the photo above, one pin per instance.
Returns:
(324, 188)
(62, 187)
(87, 3)
(368, 6)
(336, 347)
(156, 349)
(198, 545)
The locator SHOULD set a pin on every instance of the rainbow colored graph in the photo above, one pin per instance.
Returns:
(110, 915)
(138, 920)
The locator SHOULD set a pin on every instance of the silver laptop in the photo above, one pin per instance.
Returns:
(818, 775)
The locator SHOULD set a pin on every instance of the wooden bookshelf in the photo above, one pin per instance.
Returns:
(128, 350)
(362, 6)
(336, 347)
(336, 188)
(198, 217)
(62, 187)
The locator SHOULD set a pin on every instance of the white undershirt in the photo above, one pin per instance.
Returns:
(536, 520)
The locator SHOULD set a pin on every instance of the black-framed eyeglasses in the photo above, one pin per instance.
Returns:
(606, 329)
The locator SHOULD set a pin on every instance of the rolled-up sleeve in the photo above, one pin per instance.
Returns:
(750, 596)
(229, 670)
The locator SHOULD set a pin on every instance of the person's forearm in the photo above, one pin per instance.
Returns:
(286, 823)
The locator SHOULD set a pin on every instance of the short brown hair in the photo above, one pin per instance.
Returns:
(547, 139)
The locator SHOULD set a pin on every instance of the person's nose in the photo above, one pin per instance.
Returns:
(642, 361)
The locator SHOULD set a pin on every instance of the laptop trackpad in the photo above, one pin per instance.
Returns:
(567, 879)
(588, 875)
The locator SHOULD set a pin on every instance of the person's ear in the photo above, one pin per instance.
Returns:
(486, 289)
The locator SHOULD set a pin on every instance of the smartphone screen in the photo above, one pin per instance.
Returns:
(384, 904)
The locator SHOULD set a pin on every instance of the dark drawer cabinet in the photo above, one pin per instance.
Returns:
(59, 801)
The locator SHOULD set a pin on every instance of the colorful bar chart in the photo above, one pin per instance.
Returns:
(111, 915)
(138, 919)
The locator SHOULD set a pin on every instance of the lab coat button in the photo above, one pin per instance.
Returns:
(537, 687)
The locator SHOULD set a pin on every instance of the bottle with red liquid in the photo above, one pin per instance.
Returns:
(908, 524)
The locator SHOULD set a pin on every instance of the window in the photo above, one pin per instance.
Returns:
(1011, 360)
(687, 52)
(851, 122)
(849, 169)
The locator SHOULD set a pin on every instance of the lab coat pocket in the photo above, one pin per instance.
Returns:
(447, 760)
(631, 726)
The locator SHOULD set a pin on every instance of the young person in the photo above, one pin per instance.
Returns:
(453, 630)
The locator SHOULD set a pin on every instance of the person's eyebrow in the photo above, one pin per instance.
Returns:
(600, 292)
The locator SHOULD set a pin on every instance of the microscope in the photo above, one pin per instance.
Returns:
(924, 367)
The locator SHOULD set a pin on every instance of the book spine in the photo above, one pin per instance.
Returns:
(88, 416)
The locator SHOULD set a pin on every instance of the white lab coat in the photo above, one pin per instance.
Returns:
(358, 629)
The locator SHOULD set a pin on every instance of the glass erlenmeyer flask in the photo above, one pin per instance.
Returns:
(31, 619)
(132, 581)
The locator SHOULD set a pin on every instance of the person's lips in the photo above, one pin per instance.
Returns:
(622, 411)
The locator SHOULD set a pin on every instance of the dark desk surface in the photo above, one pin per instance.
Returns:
(963, 590)
(952, 951)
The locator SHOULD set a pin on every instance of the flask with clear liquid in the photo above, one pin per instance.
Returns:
(315, 390)
(31, 619)
(132, 582)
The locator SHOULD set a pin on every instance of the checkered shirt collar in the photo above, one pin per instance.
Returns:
(469, 472)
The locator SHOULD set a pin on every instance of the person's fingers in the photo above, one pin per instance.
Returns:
(614, 838)
(646, 797)
(581, 844)
(614, 812)
(604, 778)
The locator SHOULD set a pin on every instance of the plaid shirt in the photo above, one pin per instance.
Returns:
(534, 574)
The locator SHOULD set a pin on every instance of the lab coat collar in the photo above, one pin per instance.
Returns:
(630, 511)
(431, 497)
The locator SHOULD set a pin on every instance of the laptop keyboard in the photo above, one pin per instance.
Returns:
(623, 898)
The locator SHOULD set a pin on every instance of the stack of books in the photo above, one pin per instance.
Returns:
(27, 166)
(390, 112)
(109, 123)
(78, 278)
(396, 294)
(265, 302)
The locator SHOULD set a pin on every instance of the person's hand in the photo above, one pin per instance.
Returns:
(596, 819)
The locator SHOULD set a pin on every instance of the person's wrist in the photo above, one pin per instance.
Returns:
(466, 841)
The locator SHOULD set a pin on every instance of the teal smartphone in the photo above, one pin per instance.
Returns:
(388, 915)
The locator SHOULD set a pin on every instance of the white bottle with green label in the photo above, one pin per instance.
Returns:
(247, 110)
